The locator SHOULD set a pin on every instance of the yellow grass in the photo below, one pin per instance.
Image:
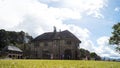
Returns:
(57, 64)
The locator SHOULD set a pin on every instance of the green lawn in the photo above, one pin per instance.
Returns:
(57, 64)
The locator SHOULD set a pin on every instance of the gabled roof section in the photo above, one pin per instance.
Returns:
(12, 48)
(68, 35)
(56, 35)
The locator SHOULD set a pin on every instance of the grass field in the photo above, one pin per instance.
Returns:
(57, 64)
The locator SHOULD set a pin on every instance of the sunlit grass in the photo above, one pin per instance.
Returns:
(57, 64)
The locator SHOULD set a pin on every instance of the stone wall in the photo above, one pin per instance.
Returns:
(56, 49)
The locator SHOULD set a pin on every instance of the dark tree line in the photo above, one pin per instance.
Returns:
(86, 54)
(94, 55)
(12, 37)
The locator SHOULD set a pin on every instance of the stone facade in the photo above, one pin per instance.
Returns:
(55, 45)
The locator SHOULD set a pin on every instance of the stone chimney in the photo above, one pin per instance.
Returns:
(55, 29)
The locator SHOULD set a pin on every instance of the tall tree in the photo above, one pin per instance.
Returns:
(3, 38)
(115, 38)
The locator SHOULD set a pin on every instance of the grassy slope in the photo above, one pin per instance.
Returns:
(57, 64)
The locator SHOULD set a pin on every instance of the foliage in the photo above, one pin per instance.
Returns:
(3, 38)
(57, 64)
(84, 53)
(12, 37)
(115, 38)
(94, 55)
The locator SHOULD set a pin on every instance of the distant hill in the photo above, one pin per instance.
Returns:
(110, 59)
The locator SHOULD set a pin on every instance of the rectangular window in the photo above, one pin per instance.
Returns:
(36, 44)
(68, 42)
(45, 44)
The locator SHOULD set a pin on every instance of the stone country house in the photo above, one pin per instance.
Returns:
(55, 45)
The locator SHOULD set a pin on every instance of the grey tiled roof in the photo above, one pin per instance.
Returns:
(56, 35)
(12, 48)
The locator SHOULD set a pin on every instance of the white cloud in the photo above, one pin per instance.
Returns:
(104, 49)
(88, 45)
(14, 12)
(33, 15)
(81, 33)
(117, 9)
(36, 17)
(90, 7)
(48, 1)
(103, 41)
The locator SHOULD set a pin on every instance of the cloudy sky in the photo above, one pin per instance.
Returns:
(90, 20)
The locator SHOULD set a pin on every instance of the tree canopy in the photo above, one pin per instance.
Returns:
(115, 38)
(94, 55)
(12, 37)
(85, 53)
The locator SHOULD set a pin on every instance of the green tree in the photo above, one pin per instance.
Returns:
(12, 37)
(84, 53)
(3, 38)
(95, 56)
(115, 38)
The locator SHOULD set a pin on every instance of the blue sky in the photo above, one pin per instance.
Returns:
(90, 20)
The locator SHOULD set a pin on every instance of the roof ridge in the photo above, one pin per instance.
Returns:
(55, 35)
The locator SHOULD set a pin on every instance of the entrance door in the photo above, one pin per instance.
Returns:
(45, 54)
(67, 54)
